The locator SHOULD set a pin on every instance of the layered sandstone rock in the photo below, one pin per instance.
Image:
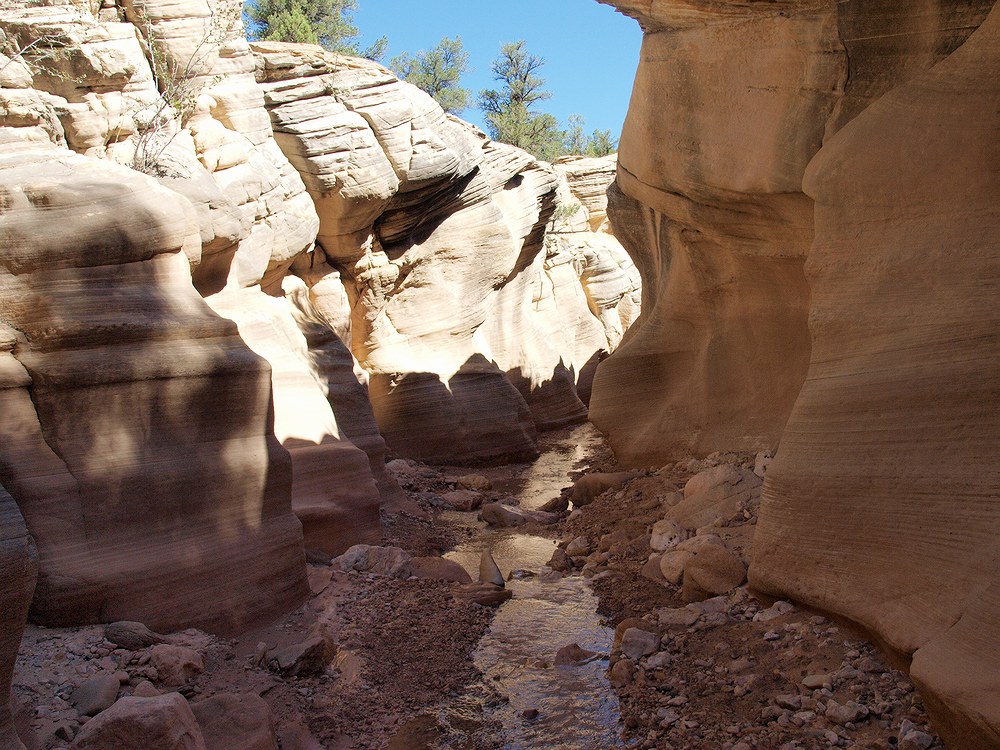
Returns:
(18, 567)
(438, 235)
(142, 456)
(730, 103)
(333, 490)
(595, 287)
(881, 504)
(216, 148)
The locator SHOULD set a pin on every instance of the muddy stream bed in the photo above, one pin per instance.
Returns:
(539, 705)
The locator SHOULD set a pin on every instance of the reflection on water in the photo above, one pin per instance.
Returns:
(577, 707)
(543, 479)
(512, 551)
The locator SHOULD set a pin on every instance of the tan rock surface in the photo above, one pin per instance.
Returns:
(878, 505)
(164, 722)
(709, 204)
(333, 492)
(146, 411)
(437, 234)
(895, 434)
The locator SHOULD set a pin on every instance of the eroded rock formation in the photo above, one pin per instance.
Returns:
(595, 286)
(135, 431)
(438, 235)
(139, 431)
(888, 464)
(88, 82)
(730, 103)
(881, 503)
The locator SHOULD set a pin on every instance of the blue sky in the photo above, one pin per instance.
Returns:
(590, 51)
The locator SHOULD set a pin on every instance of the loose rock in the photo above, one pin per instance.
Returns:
(133, 636)
(161, 723)
(175, 665)
(96, 694)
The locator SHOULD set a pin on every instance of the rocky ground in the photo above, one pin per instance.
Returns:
(699, 662)
(381, 654)
(387, 634)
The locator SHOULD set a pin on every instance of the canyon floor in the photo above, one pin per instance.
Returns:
(380, 658)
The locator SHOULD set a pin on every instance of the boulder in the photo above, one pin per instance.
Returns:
(579, 547)
(713, 570)
(302, 659)
(484, 594)
(463, 500)
(133, 636)
(475, 482)
(589, 486)
(637, 643)
(95, 694)
(498, 514)
(718, 494)
(672, 563)
(235, 722)
(164, 722)
(572, 654)
(383, 561)
(651, 569)
(175, 665)
(439, 568)
(489, 572)
(666, 534)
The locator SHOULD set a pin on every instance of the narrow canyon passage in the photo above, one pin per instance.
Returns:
(297, 363)
(544, 704)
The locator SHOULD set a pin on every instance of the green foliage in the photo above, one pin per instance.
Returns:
(329, 23)
(601, 143)
(576, 140)
(438, 72)
(508, 110)
(566, 211)
(291, 25)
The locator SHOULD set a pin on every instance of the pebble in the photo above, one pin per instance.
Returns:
(817, 681)
(637, 643)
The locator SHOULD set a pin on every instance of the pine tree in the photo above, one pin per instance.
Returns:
(438, 72)
(601, 143)
(508, 110)
(329, 23)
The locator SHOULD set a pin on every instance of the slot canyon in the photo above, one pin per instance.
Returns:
(329, 422)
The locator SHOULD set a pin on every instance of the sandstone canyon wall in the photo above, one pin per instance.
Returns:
(889, 460)
(438, 236)
(135, 432)
(729, 105)
(850, 322)
(134, 234)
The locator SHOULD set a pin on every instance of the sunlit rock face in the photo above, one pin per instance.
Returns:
(882, 503)
(848, 151)
(595, 287)
(438, 235)
(729, 105)
(135, 433)
(98, 94)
